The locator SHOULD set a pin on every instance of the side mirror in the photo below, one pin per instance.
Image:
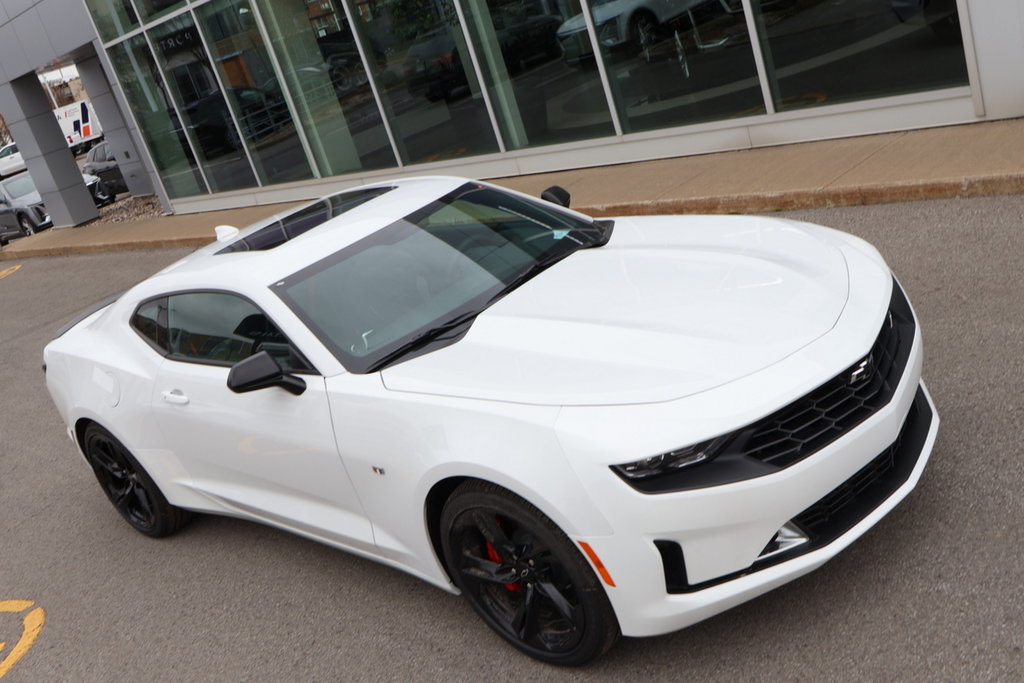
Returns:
(556, 195)
(261, 371)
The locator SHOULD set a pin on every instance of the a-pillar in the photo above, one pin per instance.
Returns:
(56, 176)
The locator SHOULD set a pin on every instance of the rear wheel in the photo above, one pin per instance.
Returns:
(133, 493)
(524, 577)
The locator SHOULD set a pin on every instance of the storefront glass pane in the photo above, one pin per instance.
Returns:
(540, 98)
(253, 91)
(826, 52)
(328, 84)
(151, 9)
(154, 113)
(113, 17)
(423, 70)
(207, 118)
(675, 62)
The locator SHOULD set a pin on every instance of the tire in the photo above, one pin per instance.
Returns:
(643, 29)
(27, 226)
(130, 489)
(524, 577)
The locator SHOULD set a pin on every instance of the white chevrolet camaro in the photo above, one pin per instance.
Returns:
(587, 427)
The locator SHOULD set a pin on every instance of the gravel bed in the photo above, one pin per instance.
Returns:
(129, 209)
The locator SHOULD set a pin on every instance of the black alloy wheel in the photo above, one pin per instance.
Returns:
(129, 487)
(524, 577)
(27, 226)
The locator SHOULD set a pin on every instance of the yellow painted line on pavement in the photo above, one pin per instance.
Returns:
(31, 626)
(9, 271)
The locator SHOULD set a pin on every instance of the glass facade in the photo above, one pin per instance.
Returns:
(822, 52)
(236, 94)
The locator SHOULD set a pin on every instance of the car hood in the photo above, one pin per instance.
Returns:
(670, 307)
(601, 13)
(27, 200)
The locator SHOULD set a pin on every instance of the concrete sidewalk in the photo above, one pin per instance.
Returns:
(956, 161)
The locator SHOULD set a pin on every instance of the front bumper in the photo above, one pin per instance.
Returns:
(654, 595)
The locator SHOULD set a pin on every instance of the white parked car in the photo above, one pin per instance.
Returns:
(587, 427)
(11, 161)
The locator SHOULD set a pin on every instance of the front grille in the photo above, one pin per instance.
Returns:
(839, 510)
(839, 405)
(813, 421)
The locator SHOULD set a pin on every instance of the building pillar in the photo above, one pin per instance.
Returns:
(115, 128)
(45, 150)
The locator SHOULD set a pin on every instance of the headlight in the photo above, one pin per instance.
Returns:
(672, 461)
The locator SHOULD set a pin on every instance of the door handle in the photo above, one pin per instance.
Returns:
(176, 396)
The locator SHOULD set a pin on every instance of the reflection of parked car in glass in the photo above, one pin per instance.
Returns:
(101, 162)
(619, 23)
(940, 15)
(21, 208)
(433, 66)
(635, 24)
(10, 160)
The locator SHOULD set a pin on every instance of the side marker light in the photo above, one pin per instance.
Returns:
(598, 565)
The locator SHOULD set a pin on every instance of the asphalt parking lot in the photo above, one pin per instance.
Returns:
(934, 592)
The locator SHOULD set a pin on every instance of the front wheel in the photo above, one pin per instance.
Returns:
(524, 577)
(134, 494)
(27, 226)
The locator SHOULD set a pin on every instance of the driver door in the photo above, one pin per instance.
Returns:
(267, 453)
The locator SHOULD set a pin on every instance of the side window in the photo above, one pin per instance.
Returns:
(150, 321)
(223, 329)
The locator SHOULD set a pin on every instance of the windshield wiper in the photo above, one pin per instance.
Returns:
(449, 331)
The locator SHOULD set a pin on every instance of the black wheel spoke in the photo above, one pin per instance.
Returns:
(488, 525)
(486, 570)
(122, 499)
(555, 597)
(525, 620)
(105, 459)
(143, 507)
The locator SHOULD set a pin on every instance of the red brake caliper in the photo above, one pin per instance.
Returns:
(493, 556)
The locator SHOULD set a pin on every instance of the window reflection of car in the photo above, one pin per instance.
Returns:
(101, 162)
(940, 15)
(22, 211)
(209, 120)
(635, 24)
(433, 65)
(526, 39)
(619, 23)
(10, 160)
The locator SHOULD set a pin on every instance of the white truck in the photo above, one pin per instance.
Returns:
(80, 126)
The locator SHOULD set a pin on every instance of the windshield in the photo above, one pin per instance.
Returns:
(19, 186)
(408, 282)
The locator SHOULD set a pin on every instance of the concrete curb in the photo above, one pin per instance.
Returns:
(71, 250)
(766, 202)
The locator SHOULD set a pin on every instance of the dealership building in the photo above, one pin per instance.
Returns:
(220, 103)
